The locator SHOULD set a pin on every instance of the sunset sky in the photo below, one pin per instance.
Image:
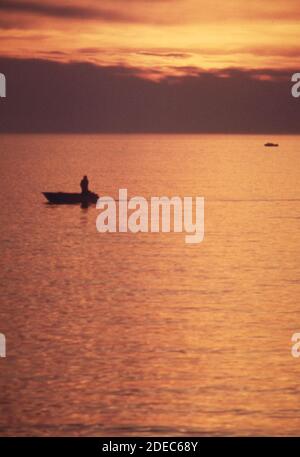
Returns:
(161, 35)
(156, 40)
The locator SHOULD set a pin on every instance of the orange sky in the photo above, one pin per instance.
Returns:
(159, 36)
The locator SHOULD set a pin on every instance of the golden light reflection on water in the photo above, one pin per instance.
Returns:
(136, 334)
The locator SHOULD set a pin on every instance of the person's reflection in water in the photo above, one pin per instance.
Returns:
(84, 205)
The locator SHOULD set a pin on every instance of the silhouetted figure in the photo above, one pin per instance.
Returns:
(84, 184)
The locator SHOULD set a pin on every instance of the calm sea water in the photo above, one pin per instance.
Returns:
(123, 334)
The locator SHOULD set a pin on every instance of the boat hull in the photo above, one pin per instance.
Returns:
(63, 198)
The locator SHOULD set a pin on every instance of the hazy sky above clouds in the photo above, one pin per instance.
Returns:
(160, 36)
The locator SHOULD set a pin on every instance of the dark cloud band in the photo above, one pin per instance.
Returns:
(44, 96)
(62, 11)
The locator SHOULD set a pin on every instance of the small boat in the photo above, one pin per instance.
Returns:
(63, 198)
(271, 145)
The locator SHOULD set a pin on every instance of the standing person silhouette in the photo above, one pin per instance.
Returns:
(84, 184)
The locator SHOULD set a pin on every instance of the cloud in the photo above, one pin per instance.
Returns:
(126, 51)
(31, 36)
(63, 11)
(175, 55)
(45, 96)
(143, 33)
(163, 12)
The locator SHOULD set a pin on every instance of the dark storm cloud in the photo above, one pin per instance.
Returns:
(45, 96)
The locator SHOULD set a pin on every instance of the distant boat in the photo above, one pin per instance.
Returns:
(63, 198)
(271, 145)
